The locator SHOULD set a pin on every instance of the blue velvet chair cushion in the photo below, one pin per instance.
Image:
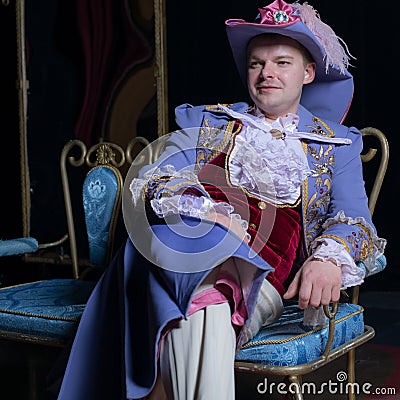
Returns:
(288, 342)
(47, 309)
(100, 191)
(18, 246)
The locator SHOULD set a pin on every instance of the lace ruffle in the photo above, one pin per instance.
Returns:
(138, 185)
(271, 168)
(195, 206)
(329, 249)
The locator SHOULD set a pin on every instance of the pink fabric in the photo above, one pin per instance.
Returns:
(226, 289)
(268, 13)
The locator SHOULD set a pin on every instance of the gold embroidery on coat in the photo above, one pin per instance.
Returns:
(215, 107)
(321, 128)
(317, 207)
(162, 187)
(209, 144)
(361, 242)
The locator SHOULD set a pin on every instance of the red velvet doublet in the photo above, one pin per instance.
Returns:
(275, 231)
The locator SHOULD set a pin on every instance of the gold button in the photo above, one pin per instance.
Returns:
(254, 226)
(262, 205)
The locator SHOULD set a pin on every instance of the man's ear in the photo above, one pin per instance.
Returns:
(309, 73)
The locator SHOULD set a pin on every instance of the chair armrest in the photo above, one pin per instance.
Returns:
(331, 332)
(12, 247)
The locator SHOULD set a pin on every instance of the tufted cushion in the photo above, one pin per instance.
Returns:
(288, 342)
(100, 191)
(44, 309)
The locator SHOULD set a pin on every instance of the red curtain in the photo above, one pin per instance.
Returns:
(113, 46)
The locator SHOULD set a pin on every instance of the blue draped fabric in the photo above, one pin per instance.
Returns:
(124, 319)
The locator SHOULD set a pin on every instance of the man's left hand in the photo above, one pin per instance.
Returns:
(316, 282)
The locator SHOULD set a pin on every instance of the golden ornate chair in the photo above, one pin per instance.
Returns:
(289, 350)
(47, 312)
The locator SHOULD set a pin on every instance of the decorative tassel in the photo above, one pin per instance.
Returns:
(337, 52)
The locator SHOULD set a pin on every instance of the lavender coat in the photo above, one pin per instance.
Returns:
(115, 349)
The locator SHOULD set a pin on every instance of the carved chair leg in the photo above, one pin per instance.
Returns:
(351, 374)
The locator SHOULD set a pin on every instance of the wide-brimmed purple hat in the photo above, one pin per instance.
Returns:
(330, 94)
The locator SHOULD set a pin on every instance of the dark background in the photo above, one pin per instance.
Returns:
(200, 70)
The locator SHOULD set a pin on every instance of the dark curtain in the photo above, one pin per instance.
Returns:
(112, 47)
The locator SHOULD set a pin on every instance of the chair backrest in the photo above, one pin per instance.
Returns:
(378, 174)
(382, 163)
(100, 197)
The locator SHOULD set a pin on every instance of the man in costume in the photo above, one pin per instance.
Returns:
(246, 205)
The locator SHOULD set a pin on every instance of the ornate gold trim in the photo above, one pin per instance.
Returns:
(304, 199)
(299, 336)
(26, 314)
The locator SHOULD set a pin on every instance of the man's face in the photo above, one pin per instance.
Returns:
(276, 73)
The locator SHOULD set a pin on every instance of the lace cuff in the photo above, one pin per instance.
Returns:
(194, 206)
(163, 180)
(329, 249)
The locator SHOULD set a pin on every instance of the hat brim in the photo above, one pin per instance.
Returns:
(330, 94)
